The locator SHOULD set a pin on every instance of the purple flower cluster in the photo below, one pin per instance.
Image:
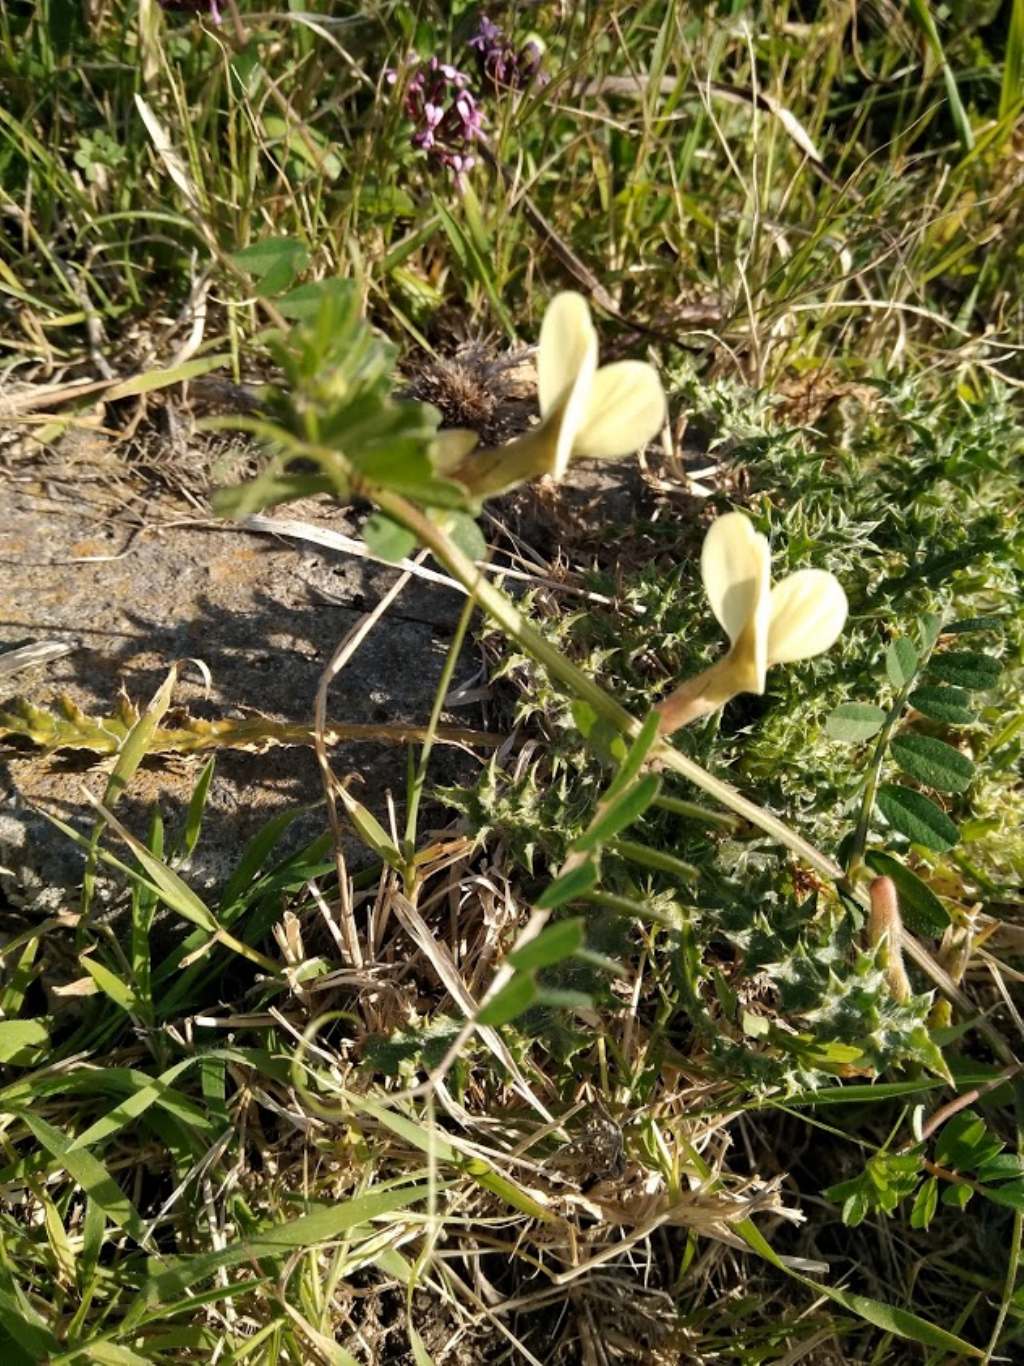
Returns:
(502, 67)
(437, 99)
(447, 118)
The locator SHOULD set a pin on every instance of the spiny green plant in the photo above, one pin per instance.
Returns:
(850, 1021)
(66, 726)
(334, 425)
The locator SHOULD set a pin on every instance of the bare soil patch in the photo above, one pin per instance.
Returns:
(134, 578)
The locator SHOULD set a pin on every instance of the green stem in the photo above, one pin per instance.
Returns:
(860, 834)
(1013, 1261)
(663, 754)
(703, 815)
(504, 611)
(654, 858)
(246, 951)
(420, 776)
(626, 906)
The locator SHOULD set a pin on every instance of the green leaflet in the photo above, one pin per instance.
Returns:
(901, 662)
(932, 762)
(916, 817)
(854, 722)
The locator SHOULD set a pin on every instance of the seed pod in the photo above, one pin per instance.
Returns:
(886, 928)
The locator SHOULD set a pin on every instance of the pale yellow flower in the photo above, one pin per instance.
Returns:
(601, 412)
(586, 411)
(800, 617)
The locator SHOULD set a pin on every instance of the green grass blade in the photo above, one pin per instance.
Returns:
(21, 1041)
(196, 809)
(151, 380)
(26, 1329)
(104, 1352)
(309, 1230)
(255, 854)
(474, 265)
(12, 998)
(1012, 92)
(143, 908)
(112, 986)
(90, 1174)
(131, 753)
(161, 879)
(117, 1082)
(885, 1316)
(921, 13)
(433, 1141)
(137, 1104)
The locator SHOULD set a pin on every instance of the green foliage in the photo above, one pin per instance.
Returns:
(273, 264)
(98, 154)
(1013, 71)
(23, 1042)
(275, 126)
(932, 762)
(887, 1179)
(968, 1160)
(943, 704)
(625, 800)
(925, 758)
(972, 672)
(854, 722)
(828, 1010)
(917, 818)
(386, 539)
(901, 662)
(407, 1052)
(334, 409)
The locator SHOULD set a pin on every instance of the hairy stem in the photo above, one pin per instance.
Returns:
(699, 696)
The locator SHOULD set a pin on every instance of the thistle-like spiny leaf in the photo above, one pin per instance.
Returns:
(67, 726)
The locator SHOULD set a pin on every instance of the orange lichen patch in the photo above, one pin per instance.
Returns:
(813, 396)
(240, 562)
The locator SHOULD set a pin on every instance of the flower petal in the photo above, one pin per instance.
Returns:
(570, 414)
(627, 408)
(735, 564)
(746, 664)
(567, 337)
(808, 611)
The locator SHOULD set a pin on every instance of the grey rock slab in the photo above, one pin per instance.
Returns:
(263, 614)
